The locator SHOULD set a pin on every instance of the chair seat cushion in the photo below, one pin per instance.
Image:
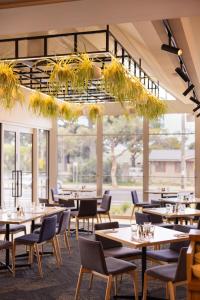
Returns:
(27, 239)
(121, 252)
(164, 272)
(13, 228)
(166, 255)
(74, 213)
(101, 210)
(118, 266)
(5, 245)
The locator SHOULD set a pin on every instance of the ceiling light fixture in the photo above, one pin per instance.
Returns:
(189, 89)
(171, 49)
(196, 108)
(193, 99)
(182, 74)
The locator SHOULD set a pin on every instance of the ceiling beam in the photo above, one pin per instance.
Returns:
(20, 3)
(59, 16)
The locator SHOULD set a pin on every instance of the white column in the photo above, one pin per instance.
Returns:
(53, 157)
(145, 159)
(35, 165)
(197, 157)
(99, 154)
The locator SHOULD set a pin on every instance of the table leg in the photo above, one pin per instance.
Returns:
(144, 264)
(7, 250)
(32, 225)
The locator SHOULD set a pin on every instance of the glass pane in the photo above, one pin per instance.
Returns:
(172, 153)
(9, 164)
(122, 161)
(26, 167)
(43, 164)
(77, 153)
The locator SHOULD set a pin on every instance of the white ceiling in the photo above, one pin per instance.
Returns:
(137, 24)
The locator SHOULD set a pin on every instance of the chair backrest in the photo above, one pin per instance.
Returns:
(178, 245)
(64, 222)
(155, 219)
(87, 208)
(106, 192)
(198, 224)
(54, 192)
(106, 202)
(141, 218)
(48, 229)
(92, 256)
(181, 271)
(134, 197)
(107, 243)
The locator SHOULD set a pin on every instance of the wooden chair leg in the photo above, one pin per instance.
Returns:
(109, 217)
(100, 218)
(67, 242)
(108, 287)
(55, 248)
(91, 281)
(77, 227)
(13, 258)
(36, 247)
(69, 226)
(145, 287)
(171, 290)
(79, 283)
(115, 285)
(133, 210)
(58, 247)
(88, 225)
(167, 292)
(92, 225)
(30, 256)
(135, 283)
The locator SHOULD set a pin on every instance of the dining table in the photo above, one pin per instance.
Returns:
(125, 236)
(30, 215)
(165, 193)
(176, 200)
(168, 214)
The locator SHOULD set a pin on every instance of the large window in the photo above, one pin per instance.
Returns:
(43, 169)
(171, 153)
(77, 153)
(122, 160)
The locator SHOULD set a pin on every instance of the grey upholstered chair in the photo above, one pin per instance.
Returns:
(104, 208)
(4, 245)
(114, 248)
(138, 204)
(14, 229)
(172, 274)
(87, 210)
(158, 220)
(34, 240)
(62, 230)
(170, 254)
(94, 262)
(141, 218)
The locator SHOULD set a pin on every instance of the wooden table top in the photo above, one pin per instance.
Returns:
(78, 190)
(66, 198)
(166, 192)
(176, 200)
(162, 211)
(161, 236)
(28, 215)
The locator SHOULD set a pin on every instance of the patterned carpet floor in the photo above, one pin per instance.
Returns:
(60, 284)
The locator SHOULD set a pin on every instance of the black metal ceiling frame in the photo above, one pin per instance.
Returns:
(32, 73)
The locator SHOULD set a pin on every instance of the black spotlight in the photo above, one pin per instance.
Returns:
(190, 87)
(196, 108)
(193, 99)
(171, 49)
(182, 74)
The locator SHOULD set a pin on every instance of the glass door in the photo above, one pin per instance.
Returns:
(16, 167)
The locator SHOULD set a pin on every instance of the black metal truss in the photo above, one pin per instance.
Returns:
(33, 74)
